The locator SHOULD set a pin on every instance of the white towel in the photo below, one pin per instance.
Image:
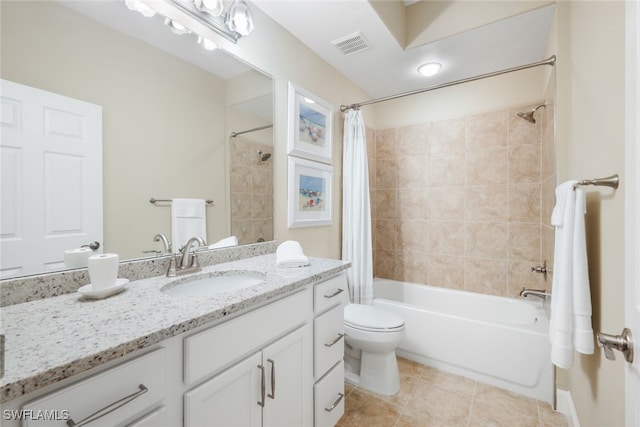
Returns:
(226, 242)
(570, 323)
(188, 219)
(289, 254)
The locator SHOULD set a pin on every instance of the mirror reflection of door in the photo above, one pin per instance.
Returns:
(51, 191)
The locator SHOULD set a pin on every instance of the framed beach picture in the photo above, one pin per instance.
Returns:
(309, 193)
(310, 121)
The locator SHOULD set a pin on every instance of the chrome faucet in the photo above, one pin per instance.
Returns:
(540, 293)
(165, 243)
(188, 260)
(188, 263)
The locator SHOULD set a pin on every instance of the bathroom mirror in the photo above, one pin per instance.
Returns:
(168, 109)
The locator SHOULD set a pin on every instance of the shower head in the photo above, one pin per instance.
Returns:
(528, 116)
(263, 157)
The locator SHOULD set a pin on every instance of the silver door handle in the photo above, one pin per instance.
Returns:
(335, 403)
(109, 408)
(622, 343)
(262, 387)
(337, 292)
(272, 395)
(93, 245)
(332, 343)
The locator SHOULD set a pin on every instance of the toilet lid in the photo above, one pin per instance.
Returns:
(370, 317)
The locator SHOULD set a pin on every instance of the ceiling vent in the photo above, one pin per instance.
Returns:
(351, 44)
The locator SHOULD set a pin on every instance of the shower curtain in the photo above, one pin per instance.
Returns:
(356, 210)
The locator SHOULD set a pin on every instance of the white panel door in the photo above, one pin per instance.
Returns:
(632, 214)
(229, 399)
(51, 191)
(289, 380)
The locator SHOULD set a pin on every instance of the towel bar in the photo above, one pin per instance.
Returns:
(154, 201)
(611, 181)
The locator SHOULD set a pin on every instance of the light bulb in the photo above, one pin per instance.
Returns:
(429, 69)
(138, 6)
(212, 7)
(206, 43)
(176, 27)
(239, 18)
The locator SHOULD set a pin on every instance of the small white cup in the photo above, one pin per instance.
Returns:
(103, 270)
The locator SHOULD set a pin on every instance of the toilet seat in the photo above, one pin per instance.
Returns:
(372, 319)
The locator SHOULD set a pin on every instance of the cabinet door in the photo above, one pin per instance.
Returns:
(289, 380)
(229, 399)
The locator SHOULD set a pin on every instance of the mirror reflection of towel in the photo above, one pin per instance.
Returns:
(188, 219)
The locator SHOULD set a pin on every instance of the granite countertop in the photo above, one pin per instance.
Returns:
(55, 338)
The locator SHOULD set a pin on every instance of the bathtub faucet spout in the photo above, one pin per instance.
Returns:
(540, 293)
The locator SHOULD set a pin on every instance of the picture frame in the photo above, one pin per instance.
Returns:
(309, 193)
(310, 126)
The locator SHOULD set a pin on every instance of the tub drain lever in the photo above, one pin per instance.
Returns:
(622, 343)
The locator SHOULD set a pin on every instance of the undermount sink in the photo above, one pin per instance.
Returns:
(211, 284)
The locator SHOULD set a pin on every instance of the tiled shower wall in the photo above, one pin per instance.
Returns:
(251, 192)
(457, 203)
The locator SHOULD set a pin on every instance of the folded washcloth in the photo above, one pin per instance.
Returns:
(226, 242)
(289, 254)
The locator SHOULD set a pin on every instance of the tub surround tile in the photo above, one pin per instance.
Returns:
(487, 203)
(386, 206)
(384, 264)
(446, 271)
(412, 266)
(485, 275)
(386, 234)
(487, 167)
(446, 136)
(134, 319)
(490, 172)
(520, 276)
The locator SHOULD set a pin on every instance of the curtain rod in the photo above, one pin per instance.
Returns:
(234, 134)
(550, 61)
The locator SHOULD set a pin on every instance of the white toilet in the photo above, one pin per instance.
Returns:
(372, 336)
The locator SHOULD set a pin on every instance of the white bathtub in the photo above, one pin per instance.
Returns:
(495, 340)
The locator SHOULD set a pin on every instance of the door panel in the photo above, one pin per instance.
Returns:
(51, 157)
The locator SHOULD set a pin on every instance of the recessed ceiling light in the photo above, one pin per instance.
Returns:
(429, 69)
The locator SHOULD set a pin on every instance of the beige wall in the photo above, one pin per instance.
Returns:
(590, 139)
(152, 145)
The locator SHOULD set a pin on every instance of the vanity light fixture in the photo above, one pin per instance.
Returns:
(138, 6)
(239, 19)
(212, 7)
(176, 27)
(206, 43)
(429, 69)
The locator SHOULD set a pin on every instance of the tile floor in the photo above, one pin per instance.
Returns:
(430, 397)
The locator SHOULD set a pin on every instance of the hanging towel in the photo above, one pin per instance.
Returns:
(570, 323)
(289, 254)
(188, 219)
(224, 243)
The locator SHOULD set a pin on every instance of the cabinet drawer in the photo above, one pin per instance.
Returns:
(329, 397)
(93, 394)
(331, 292)
(329, 340)
(209, 351)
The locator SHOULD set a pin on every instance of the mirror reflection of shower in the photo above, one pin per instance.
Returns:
(251, 180)
(528, 116)
(263, 156)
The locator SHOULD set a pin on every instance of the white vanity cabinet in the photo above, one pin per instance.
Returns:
(330, 297)
(272, 386)
(126, 392)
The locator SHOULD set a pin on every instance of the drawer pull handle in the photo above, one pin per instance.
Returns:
(335, 403)
(109, 408)
(262, 387)
(335, 341)
(273, 379)
(337, 292)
